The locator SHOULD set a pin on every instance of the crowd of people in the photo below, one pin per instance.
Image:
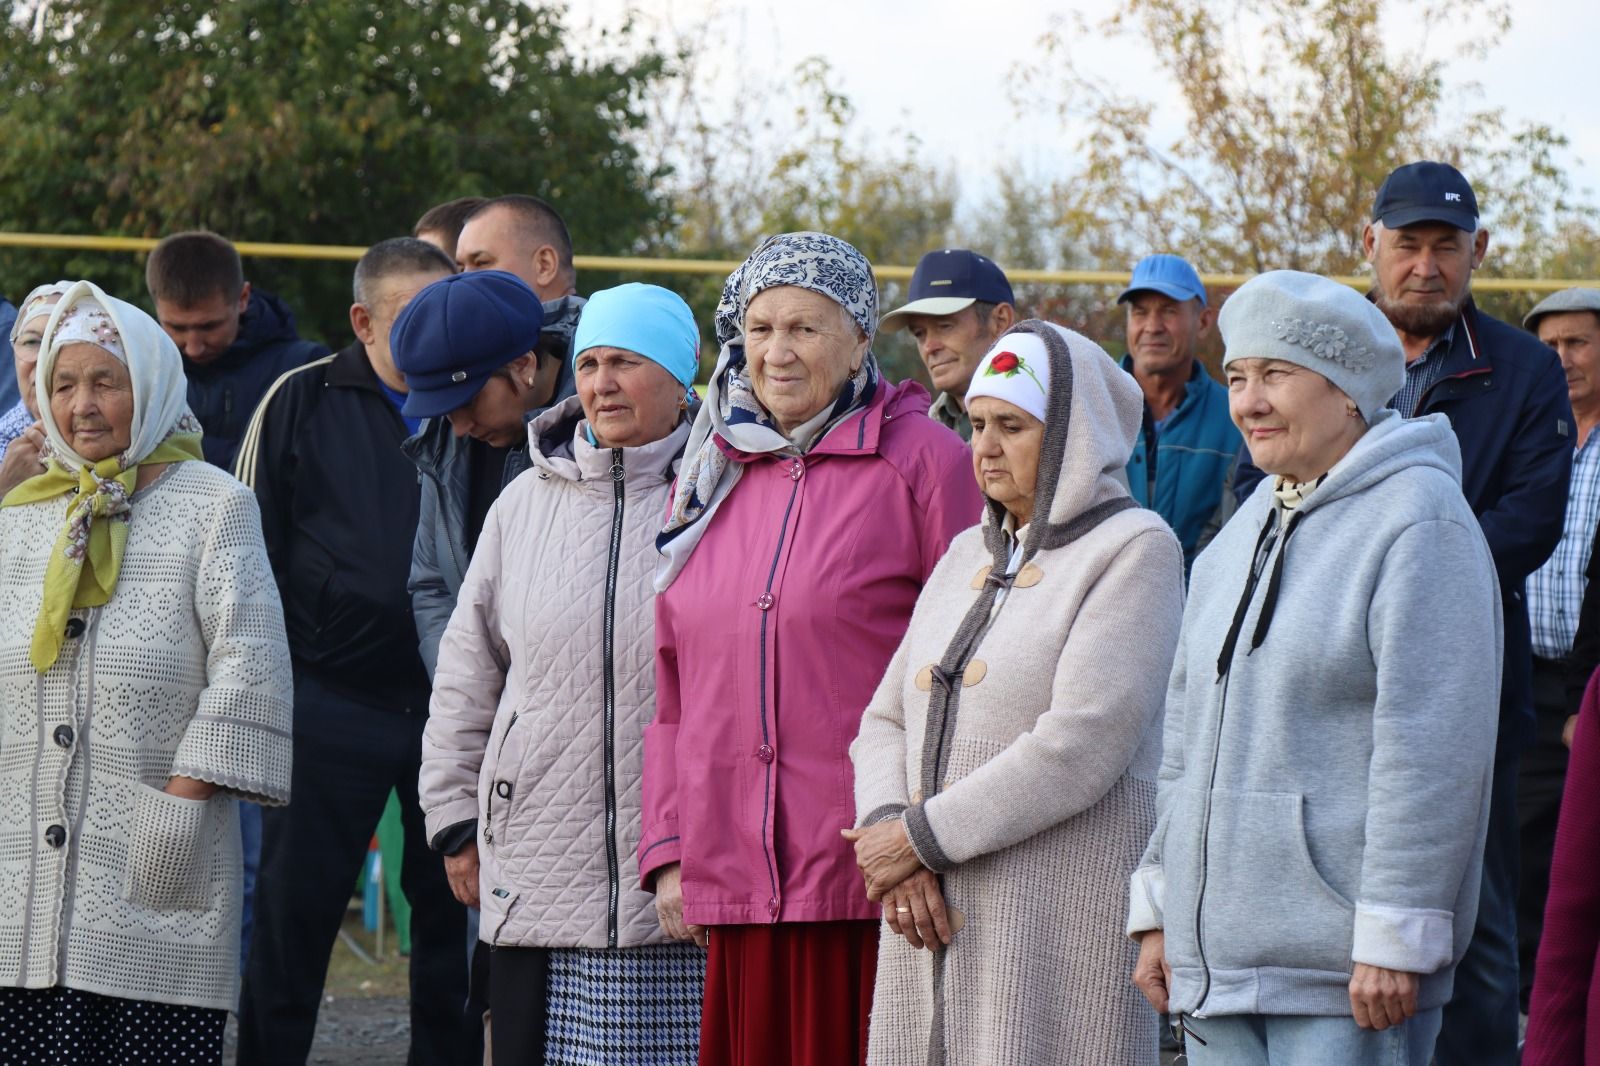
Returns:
(804, 717)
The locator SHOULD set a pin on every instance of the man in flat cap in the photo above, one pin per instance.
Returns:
(1559, 605)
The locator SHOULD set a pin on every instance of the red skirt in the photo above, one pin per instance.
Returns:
(792, 994)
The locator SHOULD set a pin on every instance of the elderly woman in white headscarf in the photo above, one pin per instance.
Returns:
(21, 423)
(144, 691)
(1006, 767)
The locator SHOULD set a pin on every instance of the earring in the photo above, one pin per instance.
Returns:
(529, 381)
(1353, 412)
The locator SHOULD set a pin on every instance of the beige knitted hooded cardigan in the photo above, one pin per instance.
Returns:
(1031, 787)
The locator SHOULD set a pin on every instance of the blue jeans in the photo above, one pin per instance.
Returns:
(250, 839)
(1480, 1021)
(1306, 1039)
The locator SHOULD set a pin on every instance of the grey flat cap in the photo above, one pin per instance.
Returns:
(1565, 300)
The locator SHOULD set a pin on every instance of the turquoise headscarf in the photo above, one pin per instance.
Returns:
(647, 319)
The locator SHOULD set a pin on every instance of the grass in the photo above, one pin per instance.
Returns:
(351, 976)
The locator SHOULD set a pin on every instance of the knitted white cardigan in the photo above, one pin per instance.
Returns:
(107, 884)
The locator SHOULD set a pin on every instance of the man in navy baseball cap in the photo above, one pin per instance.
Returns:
(1426, 192)
(1187, 441)
(960, 303)
(1505, 395)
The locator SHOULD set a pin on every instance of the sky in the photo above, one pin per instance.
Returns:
(936, 69)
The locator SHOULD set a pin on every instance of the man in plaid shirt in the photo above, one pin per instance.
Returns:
(1569, 322)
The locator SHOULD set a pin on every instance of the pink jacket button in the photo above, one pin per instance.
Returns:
(765, 753)
(796, 468)
(772, 907)
(765, 601)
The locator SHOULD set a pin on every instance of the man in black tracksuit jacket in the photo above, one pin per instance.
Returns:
(339, 507)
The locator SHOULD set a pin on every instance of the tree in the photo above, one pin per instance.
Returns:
(786, 155)
(1295, 110)
(329, 122)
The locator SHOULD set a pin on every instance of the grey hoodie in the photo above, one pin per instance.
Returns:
(1324, 800)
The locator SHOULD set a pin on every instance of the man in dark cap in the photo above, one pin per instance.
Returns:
(1506, 397)
(960, 305)
(1561, 609)
(339, 514)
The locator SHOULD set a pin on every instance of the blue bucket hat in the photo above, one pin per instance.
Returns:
(646, 319)
(457, 332)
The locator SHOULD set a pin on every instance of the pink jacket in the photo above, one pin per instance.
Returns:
(769, 645)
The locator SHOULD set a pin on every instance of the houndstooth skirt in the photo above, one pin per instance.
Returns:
(635, 1005)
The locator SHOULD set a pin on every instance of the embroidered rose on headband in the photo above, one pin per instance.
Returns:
(1325, 342)
(1009, 365)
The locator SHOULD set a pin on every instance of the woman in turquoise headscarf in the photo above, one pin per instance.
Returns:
(532, 755)
(144, 691)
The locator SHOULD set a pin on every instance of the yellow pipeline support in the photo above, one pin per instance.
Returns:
(629, 264)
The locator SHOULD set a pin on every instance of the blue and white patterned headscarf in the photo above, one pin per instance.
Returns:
(813, 261)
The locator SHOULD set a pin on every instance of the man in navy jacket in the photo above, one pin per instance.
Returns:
(236, 340)
(1506, 397)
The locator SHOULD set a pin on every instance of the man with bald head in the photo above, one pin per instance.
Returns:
(524, 236)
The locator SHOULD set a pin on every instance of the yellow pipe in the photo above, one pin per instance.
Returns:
(628, 264)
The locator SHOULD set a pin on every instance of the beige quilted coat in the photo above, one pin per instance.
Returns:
(518, 729)
(108, 884)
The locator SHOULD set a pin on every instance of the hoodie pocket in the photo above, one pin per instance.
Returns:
(1265, 902)
(171, 844)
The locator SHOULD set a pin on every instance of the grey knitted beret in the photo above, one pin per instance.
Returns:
(1565, 300)
(1321, 325)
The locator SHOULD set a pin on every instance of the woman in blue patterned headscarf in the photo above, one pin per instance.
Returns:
(813, 502)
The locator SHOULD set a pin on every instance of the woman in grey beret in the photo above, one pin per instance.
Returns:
(1313, 876)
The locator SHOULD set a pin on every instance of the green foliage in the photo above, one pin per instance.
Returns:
(329, 122)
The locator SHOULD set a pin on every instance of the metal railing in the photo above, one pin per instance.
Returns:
(351, 252)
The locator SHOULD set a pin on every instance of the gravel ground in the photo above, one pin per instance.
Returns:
(355, 1031)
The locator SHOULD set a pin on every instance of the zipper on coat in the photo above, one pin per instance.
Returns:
(1150, 458)
(766, 738)
(1257, 568)
(612, 563)
(438, 491)
(488, 805)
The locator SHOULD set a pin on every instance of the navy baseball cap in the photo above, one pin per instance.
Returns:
(1426, 192)
(1170, 275)
(457, 332)
(948, 281)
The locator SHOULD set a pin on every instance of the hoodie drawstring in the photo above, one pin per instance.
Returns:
(1264, 545)
(1269, 605)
